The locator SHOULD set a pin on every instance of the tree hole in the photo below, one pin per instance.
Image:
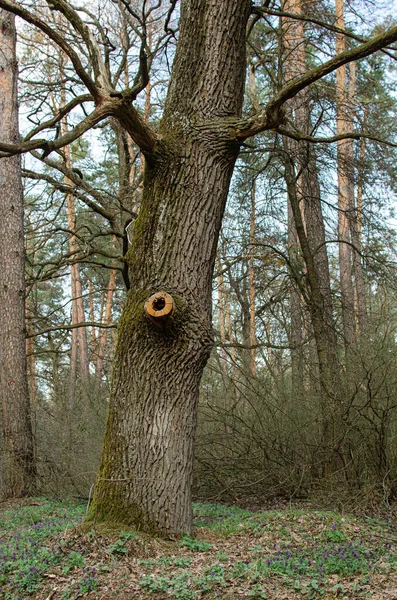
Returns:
(159, 303)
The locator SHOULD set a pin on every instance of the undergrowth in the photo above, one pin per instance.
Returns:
(234, 553)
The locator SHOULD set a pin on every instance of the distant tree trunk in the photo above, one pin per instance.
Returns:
(345, 189)
(296, 334)
(360, 179)
(145, 476)
(221, 309)
(79, 348)
(102, 336)
(14, 390)
(92, 315)
(252, 290)
(360, 304)
(307, 214)
(229, 339)
(31, 374)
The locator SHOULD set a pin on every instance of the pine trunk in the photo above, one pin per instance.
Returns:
(14, 390)
(79, 335)
(345, 189)
(252, 287)
(102, 336)
(306, 209)
(360, 304)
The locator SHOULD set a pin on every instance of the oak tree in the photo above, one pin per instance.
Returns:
(145, 476)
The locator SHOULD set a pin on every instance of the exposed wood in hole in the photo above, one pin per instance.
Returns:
(159, 306)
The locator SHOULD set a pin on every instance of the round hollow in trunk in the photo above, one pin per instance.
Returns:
(159, 306)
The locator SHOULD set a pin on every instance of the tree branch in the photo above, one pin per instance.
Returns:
(98, 114)
(261, 11)
(59, 116)
(272, 116)
(56, 37)
(300, 137)
(74, 326)
(97, 63)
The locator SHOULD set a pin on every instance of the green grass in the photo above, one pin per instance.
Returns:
(302, 554)
(26, 549)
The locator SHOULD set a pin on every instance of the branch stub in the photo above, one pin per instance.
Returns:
(159, 306)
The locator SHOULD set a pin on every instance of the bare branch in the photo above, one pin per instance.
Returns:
(59, 116)
(272, 116)
(73, 326)
(98, 114)
(300, 137)
(68, 189)
(56, 37)
(97, 63)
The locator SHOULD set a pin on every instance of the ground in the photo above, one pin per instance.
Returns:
(290, 553)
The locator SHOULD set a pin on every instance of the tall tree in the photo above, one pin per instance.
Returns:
(165, 333)
(345, 186)
(14, 390)
(306, 218)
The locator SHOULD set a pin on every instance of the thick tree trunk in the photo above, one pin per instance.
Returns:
(294, 65)
(14, 389)
(145, 476)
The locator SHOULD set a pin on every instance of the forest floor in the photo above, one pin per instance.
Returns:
(286, 554)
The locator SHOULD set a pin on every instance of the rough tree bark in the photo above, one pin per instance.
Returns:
(146, 470)
(293, 65)
(17, 426)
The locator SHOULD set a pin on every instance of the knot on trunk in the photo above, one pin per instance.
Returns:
(159, 307)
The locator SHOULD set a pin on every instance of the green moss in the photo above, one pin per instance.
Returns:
(134, 318)
(111, 515)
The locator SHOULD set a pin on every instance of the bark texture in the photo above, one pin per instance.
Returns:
(17, 427)
(145, 476)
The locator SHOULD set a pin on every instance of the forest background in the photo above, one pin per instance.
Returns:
(293, 403)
